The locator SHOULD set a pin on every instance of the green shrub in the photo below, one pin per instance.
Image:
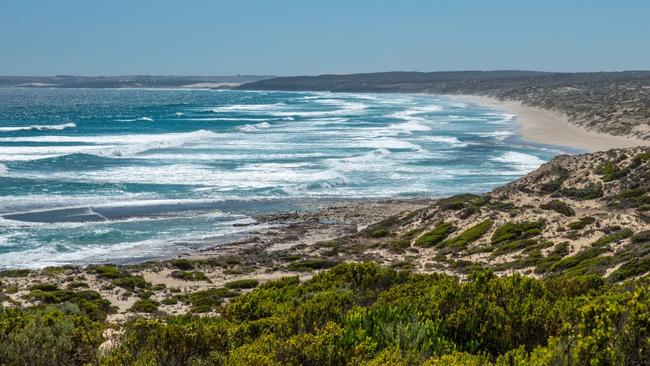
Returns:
(131, 282)
(466, 237)
(90, 302)
(635, 267)
(77, 284)
(559, 206)
(581, 223)
(106, 271)
(15, 273)
(243, 283)
(53, 335)
(398, 245)
(581, 261)
(555, 185)
(516, 231)
(590, 192)
(145, 306)
(307, 265)
(610, 171)
(461, 201)
(435, 236)
(378, 233)
(619, 235)
(641, 237)
(190, 276)
(183, 264)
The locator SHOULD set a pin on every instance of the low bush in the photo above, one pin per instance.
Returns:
(307, 265)
(462, 201)
(590, 192)
(183, 264)
(641, 237)
(610, 171)
(466, 237)
(190, 276)
(244, 283)
(581, 223)
(616, 236)
(145, 306)
(559, 206)
(516, 231)
(131, 283)
(435, 236)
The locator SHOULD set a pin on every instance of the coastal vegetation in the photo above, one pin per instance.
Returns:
(357, 314)
(552, 269)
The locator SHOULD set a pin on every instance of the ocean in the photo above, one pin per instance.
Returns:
(127, 175)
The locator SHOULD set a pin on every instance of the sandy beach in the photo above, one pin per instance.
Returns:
(552, 128)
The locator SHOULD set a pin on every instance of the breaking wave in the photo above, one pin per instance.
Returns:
(39, 127)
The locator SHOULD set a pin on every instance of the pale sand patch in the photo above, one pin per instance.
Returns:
(552, 128)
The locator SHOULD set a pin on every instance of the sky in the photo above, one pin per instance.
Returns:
(307, 37)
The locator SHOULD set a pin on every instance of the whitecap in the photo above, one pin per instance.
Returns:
(521, 162)
(263, 125)
(179, 114)
(3, 168)
(409, 127)
(39, 127)
(145, 119)
(499, 135)
(445, 139)
(141, 143)
(247, 128)
(107, 145)
(248, 108)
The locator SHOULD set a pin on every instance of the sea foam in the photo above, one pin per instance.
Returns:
(522, 162)
(39, 127)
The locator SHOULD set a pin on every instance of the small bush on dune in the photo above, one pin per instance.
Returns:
(559, 206)
(435, 236)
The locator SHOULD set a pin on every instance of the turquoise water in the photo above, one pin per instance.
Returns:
(92, 175)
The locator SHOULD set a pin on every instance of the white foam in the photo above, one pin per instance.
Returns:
(247, 128)
(179, 114)
(408, 127)
(248, 108)
(146, 119)
(138, 144)
(499, 135)
(263, 125)
(3, 168)
(523, 163)
(107, 145)
(445, 139)
(39, 127)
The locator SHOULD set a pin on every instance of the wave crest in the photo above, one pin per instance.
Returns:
(39, 127)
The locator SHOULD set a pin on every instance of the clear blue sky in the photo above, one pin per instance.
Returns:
(112, 37)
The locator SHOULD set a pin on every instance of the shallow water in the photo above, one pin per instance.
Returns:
(91, 175)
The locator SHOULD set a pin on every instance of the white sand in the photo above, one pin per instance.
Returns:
(551, 128)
